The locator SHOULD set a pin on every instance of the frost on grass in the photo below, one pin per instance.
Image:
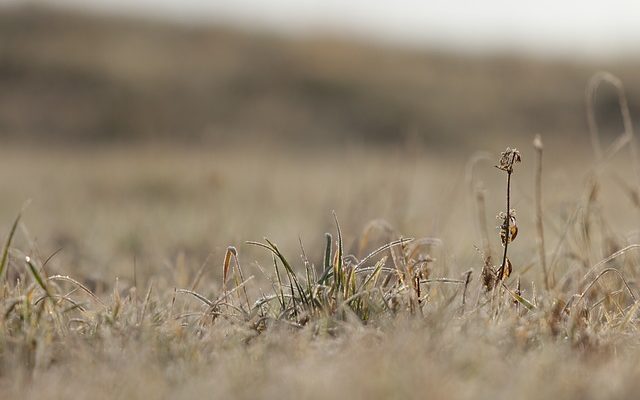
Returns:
(395, 321)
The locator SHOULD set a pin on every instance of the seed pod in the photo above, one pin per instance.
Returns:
(513, 230)
(508, 267)
(503, 235)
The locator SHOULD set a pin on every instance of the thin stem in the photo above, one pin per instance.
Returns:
(507, 220)
(539, 224)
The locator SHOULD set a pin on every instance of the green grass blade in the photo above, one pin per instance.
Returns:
(337, 272)
(526, 303)
(36, 276)
(374, 275)
(292, 275)
(327, 253)
(7, 245)
(281, 298)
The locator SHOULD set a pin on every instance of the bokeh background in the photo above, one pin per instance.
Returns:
(160, 132)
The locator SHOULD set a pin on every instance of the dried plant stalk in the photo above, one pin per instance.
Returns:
(537, 144)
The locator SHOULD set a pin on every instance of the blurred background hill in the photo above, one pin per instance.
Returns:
(68, 77)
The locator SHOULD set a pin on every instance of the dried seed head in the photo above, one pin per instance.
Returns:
(488, 275)
(537, 142)
(508, 158)
(509, 224)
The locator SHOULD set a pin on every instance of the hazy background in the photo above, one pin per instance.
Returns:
(307, 72)
(159, 130)
(566, 28)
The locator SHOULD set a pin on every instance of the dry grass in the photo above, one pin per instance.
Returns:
(403, 323)
(183, 273)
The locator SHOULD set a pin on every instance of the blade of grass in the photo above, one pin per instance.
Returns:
(328, 270)
(337, 265)
(36, 275)
(7, 245)
(281, 298)
(78, 284)
(526, 303)
(274, 249)
(197, 296)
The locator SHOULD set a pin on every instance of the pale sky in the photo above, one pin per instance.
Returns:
(586, 27)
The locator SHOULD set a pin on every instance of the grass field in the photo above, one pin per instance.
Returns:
(144, 232)
(380, 260)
